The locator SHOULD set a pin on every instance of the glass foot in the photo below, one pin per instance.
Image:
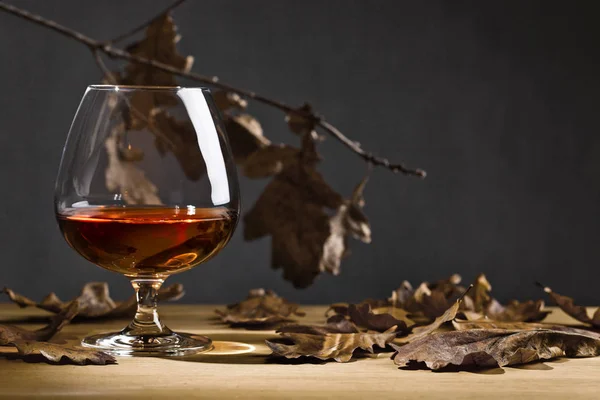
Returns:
(172, 344)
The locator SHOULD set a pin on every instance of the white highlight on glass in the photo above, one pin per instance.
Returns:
(208, 140)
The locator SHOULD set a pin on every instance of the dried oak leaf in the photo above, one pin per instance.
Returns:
(481, 293)
(261, 307)
(56, 352)
(158, 44)
(480, 301)
(245, 136)
(528, 311)
(33, 342)
(270, 160)
(426, 304)
(494, 347)
(94, 301)
(567, 304)
(305, 239)
(10, 334)
(429, 300)
(180, 138)
(422, 331)
(401, 295)
(362, 316)
(300, 122)
(225, 100)
(127, 178)
(461, 325)
(333, 341)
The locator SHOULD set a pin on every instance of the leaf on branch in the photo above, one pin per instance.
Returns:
(270, 160)
(128, 179)
(494, 347)
(303, 121)
(226, 100)
(261, 307)
(56, 353)
(567, 304)
(305, 239)
(94, 301)
(333, 341)
(180, 138)
(158, 44)
(246, 136)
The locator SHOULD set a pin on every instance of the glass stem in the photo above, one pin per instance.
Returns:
(146, 321)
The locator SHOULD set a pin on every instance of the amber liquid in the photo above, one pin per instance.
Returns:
(147, 242)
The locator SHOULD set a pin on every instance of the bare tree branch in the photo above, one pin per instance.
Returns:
(97, 46)
(145, 24)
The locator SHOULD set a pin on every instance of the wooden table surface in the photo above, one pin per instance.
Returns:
(238, 367)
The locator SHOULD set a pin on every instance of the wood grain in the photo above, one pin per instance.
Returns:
(239, 368)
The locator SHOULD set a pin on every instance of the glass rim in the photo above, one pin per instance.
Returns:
(131, 88)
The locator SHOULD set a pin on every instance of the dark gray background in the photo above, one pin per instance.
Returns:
(496, 100)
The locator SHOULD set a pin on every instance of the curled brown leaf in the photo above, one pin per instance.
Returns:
(567, 304)
(328, 342)
(94, 301)
(246, 136)
(261, 307)
(225, 100)
(57, 353)
(528, 311)
(306, 240)
(494, 347)
(10, 334)
(362, 316)
(422, 331)
(461, 325)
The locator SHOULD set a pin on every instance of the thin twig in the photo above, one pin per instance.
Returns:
(114, 52)
(145, 24)
(102, 66)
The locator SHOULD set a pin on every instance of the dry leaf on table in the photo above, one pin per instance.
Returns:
(363, 317)
(422, 331)
(94, 301)
(461, 325)
(567, 304)
(33, 342)
(10, 334)
(333, 341)
(494, 347)
(56, 352)
(262, 307)
(528, 311)
(480, 300)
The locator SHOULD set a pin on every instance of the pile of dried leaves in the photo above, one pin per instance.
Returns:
(93, 302)
(441, 324)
